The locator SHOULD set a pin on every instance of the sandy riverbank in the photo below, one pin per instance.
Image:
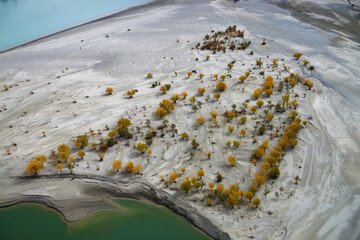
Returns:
(157, 38)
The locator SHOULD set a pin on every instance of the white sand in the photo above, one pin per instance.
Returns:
(326, 203)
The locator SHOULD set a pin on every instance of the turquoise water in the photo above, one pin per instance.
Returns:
(136, 221)
(25, 20)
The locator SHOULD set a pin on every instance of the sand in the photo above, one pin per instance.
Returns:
(157, 38)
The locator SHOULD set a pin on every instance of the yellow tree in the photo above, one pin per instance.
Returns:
(34, 166)
(256, 202)
(243, 119)
(232, 161)
(192, 99)
(141, 147)
(175, 97)
(130, 93)
(123, 123)
(200, 121)
(111, 134)
(81, 154)
(213, 114)
(101, 155)
(163, 89)
(217, 96)
(259, 102)
(233, 196)
(200, 173)
(242, 78)
(221, 86)
(173, 176)
(109, 90)
(60, 166)
(184, 95)
(201, 91)
(129, 167)
(116, 165)
(186, 186)
(189, 74)
(81, 141)
(160, 113)
(249, 196)
(167, 105)
(253, 109)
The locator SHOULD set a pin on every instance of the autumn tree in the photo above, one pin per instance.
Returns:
(184, 136)
(243, 119)
(274, 172)
(242, 132)
(81, 141)
(215, 122)
(116, 165)
(268, 92)
(259, 152)
(160, 113)
(258, 180)
(213, 114)
(259, 102)
(101, 155)
(175, 97)
(233, 196)
(167, 105)
(253, 109)
(201, 91)
(256, 202)
(163, 89)
(130, 93)
(269, 116)
(221, 86)
(200, 121)
(141, 147)
(137, 169)
(149, 75)
(297, 55)
(242, 78)
(232, 161)
(109, 90)
(217, 96)
(189, 74)
(257, 93)
(173, 176)
(63, 152)
(111, 134)
(309, 83)
(201, 75)
(129, 167)
(184, 95)
(249, 196)
(192, 99)
(34, 166)
(123, 123)
(230, 115)
(230, 129)
(186, 186)
(81, 154)
(200, 173)
(60, 166)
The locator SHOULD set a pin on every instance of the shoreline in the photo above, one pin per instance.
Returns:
(149, 4)
(102, 189)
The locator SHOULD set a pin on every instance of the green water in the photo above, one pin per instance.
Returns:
(135, 220)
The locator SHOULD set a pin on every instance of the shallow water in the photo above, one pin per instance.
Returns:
(134, 220)
(25, 20)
